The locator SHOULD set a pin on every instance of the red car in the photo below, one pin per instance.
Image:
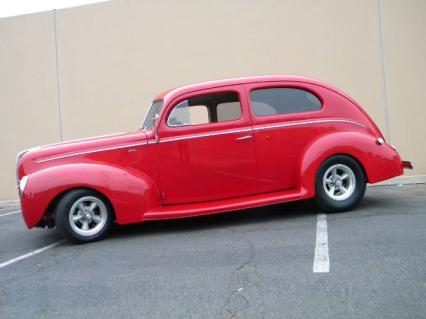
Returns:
(208, 148)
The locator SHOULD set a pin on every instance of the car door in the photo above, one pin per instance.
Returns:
(285, 118)
(206, 148)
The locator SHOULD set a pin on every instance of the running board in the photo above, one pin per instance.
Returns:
(213, 207)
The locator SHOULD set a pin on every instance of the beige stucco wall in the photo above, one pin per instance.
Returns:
(114, 57)
(404, 45)
(28, 91)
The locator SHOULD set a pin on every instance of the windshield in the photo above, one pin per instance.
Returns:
(154, 110)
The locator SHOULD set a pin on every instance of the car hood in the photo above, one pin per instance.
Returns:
(45, 152)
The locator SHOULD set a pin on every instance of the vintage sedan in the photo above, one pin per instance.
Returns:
(208, 148)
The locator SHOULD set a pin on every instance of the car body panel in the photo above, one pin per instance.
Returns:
(282, 139)
(195, 160)
(174, 172)
(130, 192)
(380, 162)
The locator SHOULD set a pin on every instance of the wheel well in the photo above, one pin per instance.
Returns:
(48, 219)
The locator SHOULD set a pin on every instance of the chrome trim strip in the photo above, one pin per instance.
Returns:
(86, 139)
(194, 136)
(242, 138)
(270, 127)
(91, 151)
(257, 128)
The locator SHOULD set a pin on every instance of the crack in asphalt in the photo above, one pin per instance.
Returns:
(24, 275)
(245, 299)
(38, 268)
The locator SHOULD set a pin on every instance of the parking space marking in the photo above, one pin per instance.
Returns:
(321, 259)
(30, 254)
(11, 213)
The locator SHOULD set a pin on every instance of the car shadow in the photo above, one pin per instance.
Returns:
(266, 214)
(369, 202)
(279, 212)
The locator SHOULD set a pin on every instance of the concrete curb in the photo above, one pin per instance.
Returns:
(402, 180)
(9, 203)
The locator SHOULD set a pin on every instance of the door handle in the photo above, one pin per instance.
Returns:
(245, 137)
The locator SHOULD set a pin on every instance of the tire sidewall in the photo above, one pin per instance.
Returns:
(330, 205)
(63, 210)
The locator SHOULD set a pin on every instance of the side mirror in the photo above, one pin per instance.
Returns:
(154, 122)
(155, 119)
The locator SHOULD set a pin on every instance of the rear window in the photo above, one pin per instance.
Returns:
(276, 101)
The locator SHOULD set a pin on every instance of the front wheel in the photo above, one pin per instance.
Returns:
(340, 184)
(83, 215)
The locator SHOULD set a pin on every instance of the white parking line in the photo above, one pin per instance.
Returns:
(321, 259)
(30, 254)
(11, 213)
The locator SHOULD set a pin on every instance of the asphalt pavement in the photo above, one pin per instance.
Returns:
(256, 263)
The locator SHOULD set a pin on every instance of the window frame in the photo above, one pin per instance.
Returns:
(199, 94)
(282, 86)
(142, 127)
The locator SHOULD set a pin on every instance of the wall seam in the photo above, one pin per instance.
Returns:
(58, 77)
(383, 71)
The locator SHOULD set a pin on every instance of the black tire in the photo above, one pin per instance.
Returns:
(329, 196)
(68, 208)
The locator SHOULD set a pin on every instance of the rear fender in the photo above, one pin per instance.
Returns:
(130, 192)
(380, 162)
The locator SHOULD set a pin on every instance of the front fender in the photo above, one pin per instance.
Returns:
(130, 192)
(380, 162)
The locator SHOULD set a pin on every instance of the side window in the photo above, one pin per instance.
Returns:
(198, 114)
(228, 111)
(272, 101)
(204, 109)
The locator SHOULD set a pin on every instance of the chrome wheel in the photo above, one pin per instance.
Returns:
(88, 216)
(339, 182)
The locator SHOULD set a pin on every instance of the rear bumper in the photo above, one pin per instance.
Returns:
(406, 165)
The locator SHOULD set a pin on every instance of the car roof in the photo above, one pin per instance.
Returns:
(236, 81)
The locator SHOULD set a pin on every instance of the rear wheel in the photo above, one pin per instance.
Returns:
(83, 215)
(340, 184)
